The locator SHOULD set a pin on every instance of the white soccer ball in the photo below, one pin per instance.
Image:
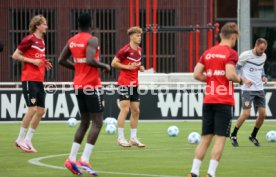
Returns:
(271, 136)
(72, 122)
(194, 138)
(110, 120)
(110, 129)
(173, 131)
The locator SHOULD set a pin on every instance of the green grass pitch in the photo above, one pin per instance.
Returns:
(163, 156)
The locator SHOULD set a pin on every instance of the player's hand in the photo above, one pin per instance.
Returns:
(247, 82)
(132, 66)
(142, 68)
(264, 79)
(107, 68)
(37, 62)
(48, 64)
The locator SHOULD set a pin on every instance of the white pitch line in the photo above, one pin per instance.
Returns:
(36, 161)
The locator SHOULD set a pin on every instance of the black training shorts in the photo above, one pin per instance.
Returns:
(90, 101)
(217, 119)
(34, 93)
(128, 93)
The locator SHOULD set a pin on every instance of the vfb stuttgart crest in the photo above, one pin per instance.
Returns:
(246, 103)
(33, 100)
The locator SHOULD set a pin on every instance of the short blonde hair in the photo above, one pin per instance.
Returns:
(36, 21)
(228, 29)
(134, 29)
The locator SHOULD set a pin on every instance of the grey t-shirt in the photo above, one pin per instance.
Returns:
(251, 67)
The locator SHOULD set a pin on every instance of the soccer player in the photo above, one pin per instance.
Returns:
(219, 64)
(128, 60)
(251, 67)
(31, 51)
(84, 49)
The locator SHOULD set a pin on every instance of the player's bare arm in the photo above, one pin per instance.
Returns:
(239, 70)
(264, 78)
(232, 75)
(18, 55)
(90, 53)
(63, 58)
(199, 72)
(116, 63)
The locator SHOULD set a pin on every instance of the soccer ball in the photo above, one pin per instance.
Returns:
(110, 129)
(72, 122)
(194, 138)
(271, 136)
(173, 131)
(110, 120)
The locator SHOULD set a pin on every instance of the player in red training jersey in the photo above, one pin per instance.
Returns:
(218, 63)
(128, 60)
(31, 51)
(84, 49)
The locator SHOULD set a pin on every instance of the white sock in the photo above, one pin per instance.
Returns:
(133, 133)
(213, 167)
(30, 134)
(74, 151)
(87, 152)
(121, 133)
(196, 166)
(22, 134)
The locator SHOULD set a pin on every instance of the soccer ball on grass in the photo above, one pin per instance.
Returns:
(72, 122)
(173, 131)
(194, 138)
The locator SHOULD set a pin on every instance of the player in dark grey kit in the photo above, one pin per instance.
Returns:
(251, 66)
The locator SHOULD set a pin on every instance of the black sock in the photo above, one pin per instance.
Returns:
(235, 131)
(255, 131)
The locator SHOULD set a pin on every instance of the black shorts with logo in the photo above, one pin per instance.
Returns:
(257, 97)
(128, 93)
(217, 119)
(34, 93)
(90, 101)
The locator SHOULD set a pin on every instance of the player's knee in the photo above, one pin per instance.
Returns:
(98, 122)
(84, 125)
(32, 109)
(124, 110)
(135, 111)
(262, 115)
(246, 113)
(40, 111)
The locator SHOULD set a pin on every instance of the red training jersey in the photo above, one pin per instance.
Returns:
(219, 90)
(86, 77)
(127, 55)
(33, 48)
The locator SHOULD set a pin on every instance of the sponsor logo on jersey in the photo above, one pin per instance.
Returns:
(79, 60)
(211, 73)
(73, 45)
(213, 55)
(255, 69)
(39, 55)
